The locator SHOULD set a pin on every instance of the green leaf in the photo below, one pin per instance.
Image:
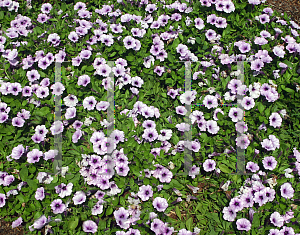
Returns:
(21, 198)
(260, 107)
(90, 68)
(198, 40)
(180, 36)
(32, 184)
(255, 222)
(177, 210)
(130, 58)
(224, 169)
(109, 210)
(219, 115)
(1, 15)
(189, 223)
(42, 112)
(171, 57)
(215, 217)
(23, 173)
(32, 169)
(73, 223)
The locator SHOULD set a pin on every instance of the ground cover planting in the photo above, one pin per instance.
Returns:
(139, 117)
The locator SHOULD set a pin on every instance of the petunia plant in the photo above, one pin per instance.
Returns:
(174, 70)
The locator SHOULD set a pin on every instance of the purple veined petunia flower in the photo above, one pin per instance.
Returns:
(8, 179)
(76, 136)
(80, 6)
(188, 97)
(89, 226)
(229, 214)
(27, 91)
(137, 81)
(156, 225)
(287, 231)
(34, 156)
(242, 141)
(247, 200)
(129, 42)
(160, 204)
(104, 70)
(274, 232)
(248, 103)
(57, 128)
(79, 198)
(85, 54)
(260, 197)
(42, 18)
(40, 194)
(173, 93)
(43, 63)
(46, 8)
(40, 222)
(102, 105)
(150, 134)
(287, 191)
(89, 103)
(17, 222)
(210, 101)
(199, 23)
(233, 85)
(211, 19)
(70, 100)
(42, 92)
(209, 165)
(50, 154)
(122, 169)
(76, 61)
(257, 65)
(159, 70)
(243, 224)
(264, 18)
(194, 171)
(252, 166)
(279, 51)
(206, 3)
(235, 114)
(210, 35)
(244, 47)
(73, 36)
(119, 70)
(145, 192)
(57, 206)
(147, 112)
(24, 114)
(165, 176)
(37, 138)
(212, 127)
(182, 49)
(275, 141)
(275, 120)
(121, 214)
(58, 88)
(84, 80)
(236, 204)
(181, 110)
(260, 41)
(241, 127)
(15, 88)
(269, 163)
(17, 152)
(70, 113)
(149, 124)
